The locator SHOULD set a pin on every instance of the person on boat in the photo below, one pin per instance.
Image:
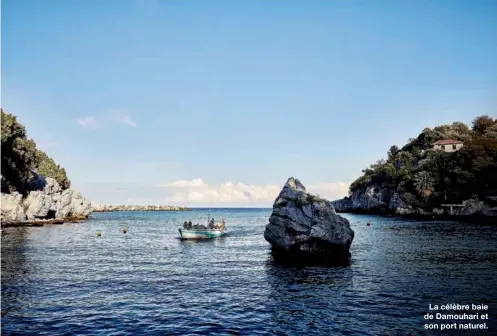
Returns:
(223, 223)
(185, 225)
(190, 225)
(211, 225)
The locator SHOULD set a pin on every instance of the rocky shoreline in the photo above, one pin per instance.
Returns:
(46, 202)
(375, 200)
(41, 222)
(111, 208)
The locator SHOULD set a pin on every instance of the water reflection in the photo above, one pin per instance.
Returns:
(15, 272)
(302, 298)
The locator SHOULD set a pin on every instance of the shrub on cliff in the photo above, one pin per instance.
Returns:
(46, 166)
(20, 156)
(423, 176)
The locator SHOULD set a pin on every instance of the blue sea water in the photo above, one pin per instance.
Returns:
(64, 280)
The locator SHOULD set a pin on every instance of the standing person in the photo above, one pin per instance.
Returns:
(223, 223)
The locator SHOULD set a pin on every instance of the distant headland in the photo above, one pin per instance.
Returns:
(110, 208)
(446, 171)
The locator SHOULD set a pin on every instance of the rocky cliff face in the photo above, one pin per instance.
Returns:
(306, 227)
(46, 200)
(370, 200)
(378, 200)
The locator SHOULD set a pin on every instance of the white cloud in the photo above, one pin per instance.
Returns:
(88, 122)
(195, 183)
(197, 192)
(126, 119)
(106, 118)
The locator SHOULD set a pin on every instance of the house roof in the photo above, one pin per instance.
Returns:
(447, 142)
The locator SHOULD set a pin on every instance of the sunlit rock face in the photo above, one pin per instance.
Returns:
(45, 200)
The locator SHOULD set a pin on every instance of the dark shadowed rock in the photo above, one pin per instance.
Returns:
(306, 228)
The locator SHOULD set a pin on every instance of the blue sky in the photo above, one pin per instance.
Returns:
(231, 98)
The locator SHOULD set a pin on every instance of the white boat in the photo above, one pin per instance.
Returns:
(203, 232)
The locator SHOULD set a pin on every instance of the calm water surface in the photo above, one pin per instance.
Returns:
(64, 280)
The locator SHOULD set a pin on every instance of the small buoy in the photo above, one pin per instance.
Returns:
(369, 223)
(99, 233)
(124, 230)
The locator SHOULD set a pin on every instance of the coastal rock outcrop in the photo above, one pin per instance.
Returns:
(45, 200)
(72, 203)
(343, 205)
(12, 208)
(372, 199)
(304, 227)
(376, 200)
(398, 206)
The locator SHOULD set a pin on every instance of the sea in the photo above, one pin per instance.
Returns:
(66, 280)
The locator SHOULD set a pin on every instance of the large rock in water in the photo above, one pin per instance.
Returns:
(304, 227)
(45, 200)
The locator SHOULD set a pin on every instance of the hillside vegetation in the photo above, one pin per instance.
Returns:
(425, 178)
(20, 157)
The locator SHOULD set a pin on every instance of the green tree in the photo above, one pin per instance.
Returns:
(491, 132)
(480, 124)
(16, 157)
(20, 157)
(424, 183)
(46, 166)
(393, 151)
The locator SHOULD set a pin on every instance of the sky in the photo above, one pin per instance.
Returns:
(217, 103)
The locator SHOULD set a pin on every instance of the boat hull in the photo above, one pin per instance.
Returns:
(201, 234)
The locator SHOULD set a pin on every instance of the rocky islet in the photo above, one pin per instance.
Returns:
(305, 228)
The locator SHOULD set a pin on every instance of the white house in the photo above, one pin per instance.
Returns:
(448, 145)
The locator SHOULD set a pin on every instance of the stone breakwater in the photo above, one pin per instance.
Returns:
(45, 202)
(110, 208)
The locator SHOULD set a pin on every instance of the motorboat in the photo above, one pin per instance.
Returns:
(212, 230)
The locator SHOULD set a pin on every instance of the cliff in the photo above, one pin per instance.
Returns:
(420, 180)
(34, 187)
(45, 201)
(109, 208)
(378, 201)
